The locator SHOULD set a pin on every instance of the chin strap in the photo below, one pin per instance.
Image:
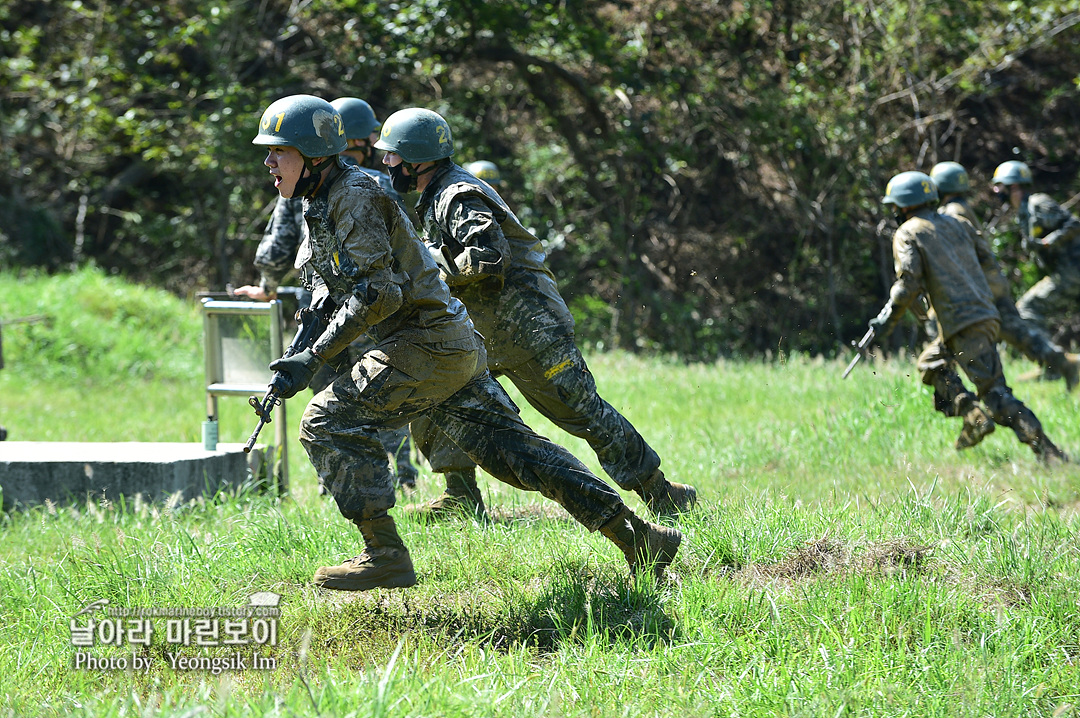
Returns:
(306, 185)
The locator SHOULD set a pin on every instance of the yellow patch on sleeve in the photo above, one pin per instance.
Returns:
(558, 368)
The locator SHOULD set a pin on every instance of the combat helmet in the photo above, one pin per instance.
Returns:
(910, 189)
(950, 178)
(416, 135)
(1012, 172)
(485, 170)
(359, 118)
(308, 123)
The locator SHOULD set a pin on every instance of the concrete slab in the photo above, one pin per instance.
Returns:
(63, 472)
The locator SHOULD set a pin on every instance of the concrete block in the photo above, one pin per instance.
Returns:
(63, 472)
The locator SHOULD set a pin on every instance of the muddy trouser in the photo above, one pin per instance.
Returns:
(974, 350)
(396, 442)
(1056, 294)
(558, 384)
(449, 384)
(1028, 338)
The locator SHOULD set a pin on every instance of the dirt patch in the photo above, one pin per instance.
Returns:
(829, 556)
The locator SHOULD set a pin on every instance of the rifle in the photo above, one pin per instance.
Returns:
(861, 348)
(312, 323)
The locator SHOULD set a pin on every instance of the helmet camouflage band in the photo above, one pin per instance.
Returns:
(485, 170)
(416, 135)
(910, 189)
(1012, 172)
(358, 117)
(951, 178)
(308, 123)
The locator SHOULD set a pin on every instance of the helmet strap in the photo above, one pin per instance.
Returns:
(305, 186)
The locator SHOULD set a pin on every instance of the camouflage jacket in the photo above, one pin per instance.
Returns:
(276, 253)
(499, 269)
(999, 286)
(950, 261)
(1052, 233)
(360, 249)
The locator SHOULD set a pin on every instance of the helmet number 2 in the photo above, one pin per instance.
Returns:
(926, 188)
(440, 130)
(277, 125)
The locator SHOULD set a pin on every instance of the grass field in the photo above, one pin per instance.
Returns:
(844, 559)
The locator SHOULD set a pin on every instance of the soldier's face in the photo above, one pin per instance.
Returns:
(393, 159)
(1016, 195)
(287, 166)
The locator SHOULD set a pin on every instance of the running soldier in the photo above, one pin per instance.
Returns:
(1052, 235)
(948, 260)
(496, 268)
(954, 185)
(361, 253)
(276, 254)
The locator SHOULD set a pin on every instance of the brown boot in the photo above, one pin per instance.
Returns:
(385, 562)
(1047, 453)
(646, 546)
(665, 498)
(461, 498)
(977, 426)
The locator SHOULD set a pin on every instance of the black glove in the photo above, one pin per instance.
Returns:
(293, 374)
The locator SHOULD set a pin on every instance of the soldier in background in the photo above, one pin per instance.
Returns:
(496, 268)
(487, 171)
(1052, 235)
(276, 255)
(361, 255)
(946, 258)
(954, 186)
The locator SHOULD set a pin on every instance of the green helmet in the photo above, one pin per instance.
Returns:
(485, 170)
(358, 117)
(950, 178)
(1012, 172)
(308, 123)
(416, 135)
(910, 189)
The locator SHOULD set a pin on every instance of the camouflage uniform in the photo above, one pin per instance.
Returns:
(361, 250)
(528, 331)
(1052, 233)
(1015, 331)
(274, 259)
(948, 260)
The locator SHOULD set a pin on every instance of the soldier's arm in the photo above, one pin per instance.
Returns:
(366, 260)
(480, 247)
(908, 284)
(277, 249)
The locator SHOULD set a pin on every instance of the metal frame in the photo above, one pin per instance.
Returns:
(216, 386)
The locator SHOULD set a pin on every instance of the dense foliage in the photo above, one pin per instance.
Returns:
(706, 175)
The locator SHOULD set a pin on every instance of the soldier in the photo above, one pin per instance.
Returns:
(496, 267)
(948, 260)
(361, 253)
(277, 251)
(1052, 234)
(953, 186)
(485, 170)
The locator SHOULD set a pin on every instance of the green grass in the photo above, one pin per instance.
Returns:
(845, 560)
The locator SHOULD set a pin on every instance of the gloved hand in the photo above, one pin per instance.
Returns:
(294, 373)
(881, 323)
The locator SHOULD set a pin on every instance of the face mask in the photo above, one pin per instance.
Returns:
(400, 181)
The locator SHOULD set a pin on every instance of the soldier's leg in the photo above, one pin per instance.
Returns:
(558, 383)
(340, 432)
(938, 370)
(1036, 345)
(976, 353)
(462, 494)
(483, 421)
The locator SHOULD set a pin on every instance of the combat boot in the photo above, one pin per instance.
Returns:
(1071, 371)
(646, 546)
(461, 498)
(666, 498)
(385, 562)
(1029, 431)
(977, 426)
